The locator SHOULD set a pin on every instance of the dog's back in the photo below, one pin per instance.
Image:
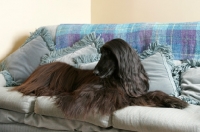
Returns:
(54, 78)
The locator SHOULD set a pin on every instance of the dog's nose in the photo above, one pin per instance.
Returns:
(96, 72)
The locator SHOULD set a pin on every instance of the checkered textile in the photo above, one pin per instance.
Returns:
(184, 38)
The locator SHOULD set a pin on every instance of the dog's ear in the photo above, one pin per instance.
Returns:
(131, 72)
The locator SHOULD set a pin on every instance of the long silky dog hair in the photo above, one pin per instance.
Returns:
(118, 80)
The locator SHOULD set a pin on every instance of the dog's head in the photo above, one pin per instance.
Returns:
(119, 60)
(116, 55)
(107, 63)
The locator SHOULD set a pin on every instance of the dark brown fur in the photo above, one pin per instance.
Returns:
(118, 80)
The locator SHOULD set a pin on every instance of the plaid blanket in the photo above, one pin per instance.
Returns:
(184, 38)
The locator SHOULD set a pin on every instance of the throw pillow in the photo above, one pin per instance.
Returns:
(158, 63)
(186, 76)
(90, 49)
(88, 66)
(190, 85)
(20, 64)
(87, 46)
(159, 73)
(84, 59)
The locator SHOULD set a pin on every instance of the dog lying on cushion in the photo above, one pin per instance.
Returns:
(117, 81)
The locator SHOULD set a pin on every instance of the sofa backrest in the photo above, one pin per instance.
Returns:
(184, 38)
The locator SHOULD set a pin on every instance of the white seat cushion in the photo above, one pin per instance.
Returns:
(15, 101)
(149, 119)
(45, 106)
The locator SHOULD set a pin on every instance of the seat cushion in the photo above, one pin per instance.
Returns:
(15, 101)
(190, 85)
(149, 119)
(9, 116)
(45, 106)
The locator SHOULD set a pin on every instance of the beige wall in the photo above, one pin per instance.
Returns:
(126, 11)
(19, 17)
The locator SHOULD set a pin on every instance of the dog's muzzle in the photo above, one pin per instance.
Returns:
(96, 72)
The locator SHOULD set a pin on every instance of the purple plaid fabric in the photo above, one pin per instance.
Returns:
(182, 37)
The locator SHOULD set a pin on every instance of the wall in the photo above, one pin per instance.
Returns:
(126, 11)
(19, 17)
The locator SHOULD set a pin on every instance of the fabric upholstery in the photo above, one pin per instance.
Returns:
(64, 124)
(21, 63)
(160, 76)
(148, 119)
(45, 106)
(15, 101)
(35, 122)
(25, 128)
(182, 37)
(9, 116)
(190, 84)
(26, 59)
(90, 49)
(89, 66)
(91, 41)
(186, 79)
(52, 31)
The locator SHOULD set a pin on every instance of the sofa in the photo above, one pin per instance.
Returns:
(168, 51)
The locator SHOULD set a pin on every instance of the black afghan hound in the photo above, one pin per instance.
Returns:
(117, 81)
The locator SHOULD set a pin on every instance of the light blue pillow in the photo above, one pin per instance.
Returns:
(21, 63)
(86, 47)
(158, 63)
(159, 73)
